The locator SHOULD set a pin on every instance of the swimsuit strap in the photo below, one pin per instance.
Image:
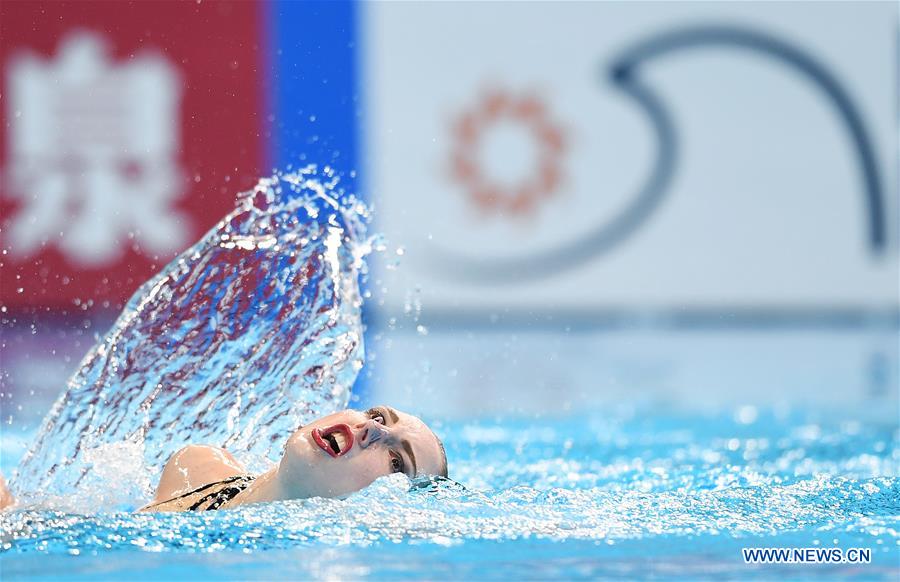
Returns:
(214, 495)
(233, 486)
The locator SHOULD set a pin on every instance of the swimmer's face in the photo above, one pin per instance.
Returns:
(344, 452)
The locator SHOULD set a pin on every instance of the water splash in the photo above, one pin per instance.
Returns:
(249, 333)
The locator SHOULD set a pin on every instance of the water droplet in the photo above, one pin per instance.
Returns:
(746, 414)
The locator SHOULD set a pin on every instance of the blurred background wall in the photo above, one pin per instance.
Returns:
(584, 204)
(689, 203)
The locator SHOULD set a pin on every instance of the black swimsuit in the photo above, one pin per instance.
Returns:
(211, 496)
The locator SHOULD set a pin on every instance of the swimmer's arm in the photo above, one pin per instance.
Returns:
(195, 466)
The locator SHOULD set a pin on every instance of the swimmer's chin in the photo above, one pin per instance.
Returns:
(300, 450)
(301, 455)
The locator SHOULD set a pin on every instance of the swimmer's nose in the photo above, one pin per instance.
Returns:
(371, 432)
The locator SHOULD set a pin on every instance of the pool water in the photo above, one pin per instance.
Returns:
(619, 494)
(632, 453)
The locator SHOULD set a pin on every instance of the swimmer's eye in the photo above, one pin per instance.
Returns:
(397, 465)
(376, 415)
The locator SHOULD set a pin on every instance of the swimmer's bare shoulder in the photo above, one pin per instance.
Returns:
(194, 466)
(7, 501)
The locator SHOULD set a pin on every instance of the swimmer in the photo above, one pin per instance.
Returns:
(333, 456)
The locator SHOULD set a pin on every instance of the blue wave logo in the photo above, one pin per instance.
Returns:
(624, 73)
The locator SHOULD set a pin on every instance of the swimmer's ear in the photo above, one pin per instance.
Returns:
(432, 484)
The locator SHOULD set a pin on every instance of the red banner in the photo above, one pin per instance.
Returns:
(128, 130)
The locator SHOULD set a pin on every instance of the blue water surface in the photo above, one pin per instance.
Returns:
(623, 493)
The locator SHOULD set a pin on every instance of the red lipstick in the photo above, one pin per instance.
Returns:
(335, 440)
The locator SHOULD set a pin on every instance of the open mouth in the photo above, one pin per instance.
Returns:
(335, 440)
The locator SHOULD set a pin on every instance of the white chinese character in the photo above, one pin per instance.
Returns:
(92, 148)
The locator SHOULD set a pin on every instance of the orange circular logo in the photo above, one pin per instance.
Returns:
(470, 131)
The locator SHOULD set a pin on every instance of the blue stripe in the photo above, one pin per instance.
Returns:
(315, 97)
(314, 82)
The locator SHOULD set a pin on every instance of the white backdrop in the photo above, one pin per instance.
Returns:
(765, 206)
